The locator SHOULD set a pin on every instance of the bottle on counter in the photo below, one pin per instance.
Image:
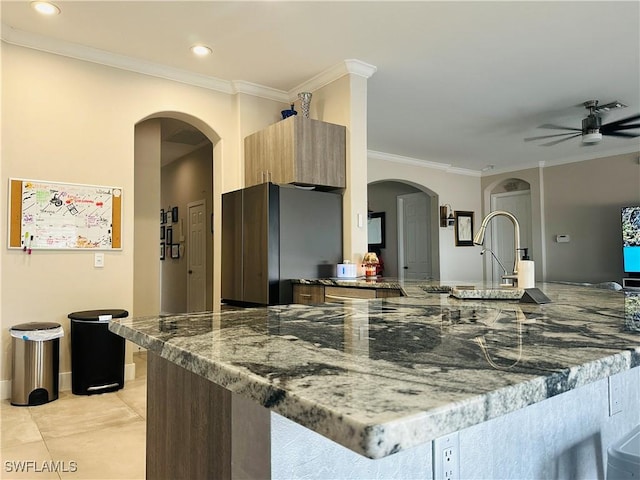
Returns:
(526, 271)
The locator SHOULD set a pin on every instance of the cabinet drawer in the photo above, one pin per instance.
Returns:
(308, 294)
(345, 293)
(388, 292)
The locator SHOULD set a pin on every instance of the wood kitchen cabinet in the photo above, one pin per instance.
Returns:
(315, 294)
(297, 150)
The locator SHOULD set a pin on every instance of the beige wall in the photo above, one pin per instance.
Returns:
(583, 200)
(146, 267)
(462, 192)
(72, 121)
(344, 102)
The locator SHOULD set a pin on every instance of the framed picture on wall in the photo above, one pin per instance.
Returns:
(174, 214)
(162, 232)
(175, 251)
(375, 230)
(464, 228)
(169, 236)
(163, 216)
(162, 250)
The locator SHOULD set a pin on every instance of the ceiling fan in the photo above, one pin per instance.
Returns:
(592, 127)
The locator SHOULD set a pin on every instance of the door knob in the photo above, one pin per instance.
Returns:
(190, 272)
(406, 268)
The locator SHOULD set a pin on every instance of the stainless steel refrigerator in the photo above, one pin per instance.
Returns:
(274, 233)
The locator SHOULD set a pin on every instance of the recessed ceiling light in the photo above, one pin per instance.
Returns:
(201, 50)
(46, 8)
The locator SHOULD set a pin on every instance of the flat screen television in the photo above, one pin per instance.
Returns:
(631, 240)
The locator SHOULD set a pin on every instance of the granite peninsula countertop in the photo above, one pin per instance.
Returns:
(379, 376)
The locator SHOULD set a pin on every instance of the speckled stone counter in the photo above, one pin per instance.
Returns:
(381, 376)
(409, 288)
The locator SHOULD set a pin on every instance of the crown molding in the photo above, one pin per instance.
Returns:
(94, 55)
(80, 52)
(240, 86)
(584, 158)
(390, 157)
(331, 74)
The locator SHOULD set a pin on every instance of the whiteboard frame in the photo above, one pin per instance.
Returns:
(14, 216)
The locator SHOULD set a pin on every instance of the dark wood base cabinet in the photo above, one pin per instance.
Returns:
(191, 426)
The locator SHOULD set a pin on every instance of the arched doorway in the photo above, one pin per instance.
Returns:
(172, 150)
(514, 196)
(411, 228)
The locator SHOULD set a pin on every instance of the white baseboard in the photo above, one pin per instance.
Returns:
(64, 380)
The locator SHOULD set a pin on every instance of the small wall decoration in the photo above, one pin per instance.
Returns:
(162, 248)
(174, 214)
(175, 251)
(163, 216)
(162, 232)
(464, 229)
(376, 230)
(169, 236)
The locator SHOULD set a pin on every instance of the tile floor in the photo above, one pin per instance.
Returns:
(78, 436)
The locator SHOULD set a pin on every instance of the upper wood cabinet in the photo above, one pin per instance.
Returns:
(297, 150)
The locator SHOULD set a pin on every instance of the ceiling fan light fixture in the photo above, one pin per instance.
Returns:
(591, 137)
(46, 8)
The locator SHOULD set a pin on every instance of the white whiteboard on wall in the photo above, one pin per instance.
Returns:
(62, 216)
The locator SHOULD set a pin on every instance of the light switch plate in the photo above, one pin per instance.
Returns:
(98, 260)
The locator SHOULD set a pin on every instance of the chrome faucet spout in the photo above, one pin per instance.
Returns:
(478, 239)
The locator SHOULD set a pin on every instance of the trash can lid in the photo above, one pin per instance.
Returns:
(37, 331)
(35, 326)
(95, 315)
(626, 452)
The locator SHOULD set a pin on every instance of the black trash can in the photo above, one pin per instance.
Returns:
(97, 355)
(35, 364)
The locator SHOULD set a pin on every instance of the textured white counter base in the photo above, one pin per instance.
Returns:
(564, 437)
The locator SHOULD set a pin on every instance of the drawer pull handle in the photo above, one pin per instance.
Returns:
(344, 298)
(305, 295)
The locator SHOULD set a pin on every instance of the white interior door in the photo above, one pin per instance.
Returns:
(196, 255)
(415, 245)
(519, 204)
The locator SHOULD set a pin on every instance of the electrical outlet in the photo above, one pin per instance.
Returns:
(446, 457)
(615, 395)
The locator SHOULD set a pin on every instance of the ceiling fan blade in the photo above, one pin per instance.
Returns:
(616, 133)
(529, 139)
(559, 127)
(614, 128)
(555, 142)
(622, 121)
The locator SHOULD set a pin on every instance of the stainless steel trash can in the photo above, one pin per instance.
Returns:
(623, 457)
(36, 361)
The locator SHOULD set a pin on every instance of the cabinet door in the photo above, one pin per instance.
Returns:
(255, 203)
(255, 158)
(297, 150)
(231, 287)
(308, 294)
(320, 153)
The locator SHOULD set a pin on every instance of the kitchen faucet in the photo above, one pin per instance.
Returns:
(479, 239)
(506, 280)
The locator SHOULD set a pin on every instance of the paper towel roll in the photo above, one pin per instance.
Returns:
(526, 274)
